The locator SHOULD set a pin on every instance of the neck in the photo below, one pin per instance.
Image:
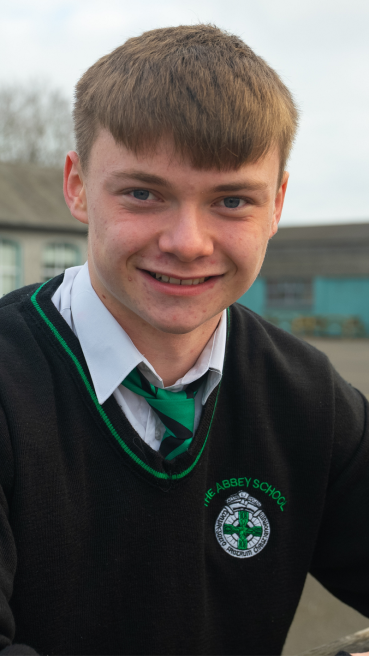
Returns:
(172, 355)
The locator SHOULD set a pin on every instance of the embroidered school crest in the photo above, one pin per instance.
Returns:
(242, 528)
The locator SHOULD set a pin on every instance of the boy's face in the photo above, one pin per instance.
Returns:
(169, 245)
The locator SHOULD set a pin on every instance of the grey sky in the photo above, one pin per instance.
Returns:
(319, 47)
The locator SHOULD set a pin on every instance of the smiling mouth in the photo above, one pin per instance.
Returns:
(178, 281)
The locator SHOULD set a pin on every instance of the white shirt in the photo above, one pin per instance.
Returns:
(111, 355)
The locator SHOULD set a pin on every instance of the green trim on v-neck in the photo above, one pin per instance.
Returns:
(101, 411)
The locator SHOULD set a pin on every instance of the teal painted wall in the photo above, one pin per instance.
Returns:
(255, 296)
(331, 296)
(346, 296)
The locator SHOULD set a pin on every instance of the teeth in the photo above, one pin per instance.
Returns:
(177, 281)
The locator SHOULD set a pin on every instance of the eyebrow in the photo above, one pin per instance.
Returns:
(151, 178)
(242, 184)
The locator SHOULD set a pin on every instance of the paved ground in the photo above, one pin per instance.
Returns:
(320, 618)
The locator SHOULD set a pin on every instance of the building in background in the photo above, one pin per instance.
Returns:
(38, 236)
(315, 281)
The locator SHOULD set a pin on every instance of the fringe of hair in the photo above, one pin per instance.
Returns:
(220, 103)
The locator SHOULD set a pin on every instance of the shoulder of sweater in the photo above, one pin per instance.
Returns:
(18, 296)
(268, 338)
(12, 304)
(16, 310)
(297, 380)
(12, 318)
(283, 363)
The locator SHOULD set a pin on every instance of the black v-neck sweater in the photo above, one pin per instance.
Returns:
(105, 548)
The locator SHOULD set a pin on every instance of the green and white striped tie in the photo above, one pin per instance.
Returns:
(175, 409)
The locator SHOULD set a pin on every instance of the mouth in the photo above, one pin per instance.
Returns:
(178, 281)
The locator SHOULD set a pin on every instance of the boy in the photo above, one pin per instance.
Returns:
(172, 465)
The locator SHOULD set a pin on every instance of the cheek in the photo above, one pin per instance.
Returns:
(116, 239)
(245, 248)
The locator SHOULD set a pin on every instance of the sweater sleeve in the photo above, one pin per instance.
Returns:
(341, 557)
(8, 555)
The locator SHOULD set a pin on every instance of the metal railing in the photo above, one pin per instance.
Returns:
(353, 644)
(320, 326)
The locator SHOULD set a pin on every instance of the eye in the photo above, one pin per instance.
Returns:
(232, 202)
(141, 194)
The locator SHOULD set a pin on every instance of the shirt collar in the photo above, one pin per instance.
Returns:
(110, 353)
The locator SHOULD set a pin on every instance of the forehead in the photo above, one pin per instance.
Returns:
(110, 160)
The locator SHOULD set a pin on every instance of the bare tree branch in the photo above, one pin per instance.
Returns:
(35, 124)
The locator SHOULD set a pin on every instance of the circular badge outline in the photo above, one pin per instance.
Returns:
(242, 500)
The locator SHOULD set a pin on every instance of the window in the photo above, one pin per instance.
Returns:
(289, 293)
(9, 266)
(58, 257)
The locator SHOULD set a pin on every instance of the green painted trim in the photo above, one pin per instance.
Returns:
(101, 411)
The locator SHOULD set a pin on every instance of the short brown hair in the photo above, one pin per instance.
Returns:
(221, 104)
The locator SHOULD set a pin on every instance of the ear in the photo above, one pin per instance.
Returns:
(74, 187)
(278, 204)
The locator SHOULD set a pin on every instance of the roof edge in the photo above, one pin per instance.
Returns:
(31, 227)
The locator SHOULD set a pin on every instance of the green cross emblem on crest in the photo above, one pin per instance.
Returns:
(242, 530)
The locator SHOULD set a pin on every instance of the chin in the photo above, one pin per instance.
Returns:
(178, 328)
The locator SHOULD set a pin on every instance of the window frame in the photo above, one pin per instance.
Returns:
(49, 271)
(289, 299)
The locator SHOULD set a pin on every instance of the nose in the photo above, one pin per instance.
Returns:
(187, 235)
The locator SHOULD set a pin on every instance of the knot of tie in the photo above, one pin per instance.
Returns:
(176, 410)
